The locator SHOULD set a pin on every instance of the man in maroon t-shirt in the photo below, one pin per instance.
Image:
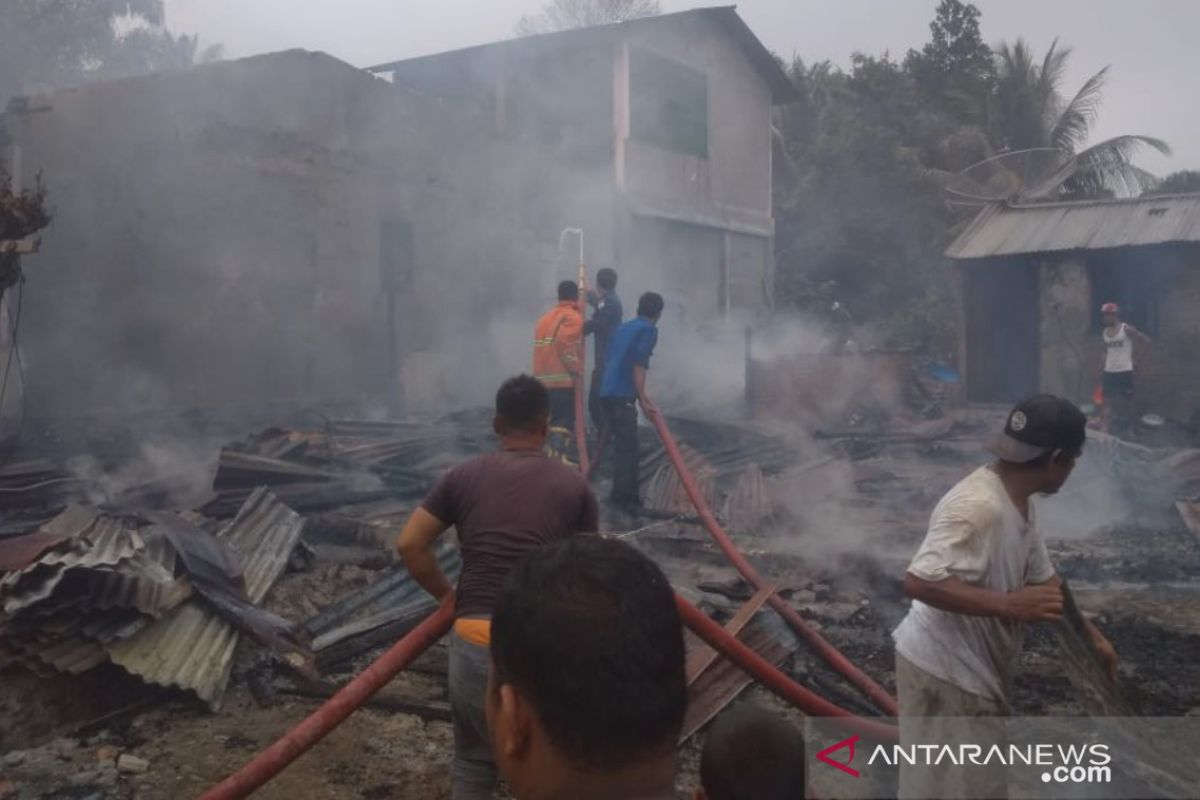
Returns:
(504, 505)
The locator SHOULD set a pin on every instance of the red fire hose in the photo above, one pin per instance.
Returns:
(270, 762)
(831, 654)
(804, 699)
(297, 741)
(581, 381)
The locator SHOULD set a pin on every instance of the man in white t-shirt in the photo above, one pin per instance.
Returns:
(981, 573)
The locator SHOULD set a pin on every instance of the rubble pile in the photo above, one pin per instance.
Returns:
(90, 581)
(281, 584)
(162, 597)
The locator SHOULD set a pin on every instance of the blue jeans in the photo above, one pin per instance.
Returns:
(473, 771)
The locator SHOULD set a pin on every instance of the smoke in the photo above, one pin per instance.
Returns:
(177, 474)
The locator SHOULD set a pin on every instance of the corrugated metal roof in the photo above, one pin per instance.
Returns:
(18, 552)
(192, 648)
(1004, 230)
(106, 542)
(147, 582)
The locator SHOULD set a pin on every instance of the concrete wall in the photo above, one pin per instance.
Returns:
(729, 192)
(1065, 314)
(217, 232)
(214, 242)
(217, 242)
(734, 182)
(1072, 353)
(1168, 371)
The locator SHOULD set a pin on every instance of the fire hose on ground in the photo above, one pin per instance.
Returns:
(297, 741)
(334, 711)
(827, 651)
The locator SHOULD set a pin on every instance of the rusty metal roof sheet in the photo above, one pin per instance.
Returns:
(1005, 230)
(18, 552)
(192, 648)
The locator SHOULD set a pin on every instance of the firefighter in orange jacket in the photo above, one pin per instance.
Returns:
(557, 345)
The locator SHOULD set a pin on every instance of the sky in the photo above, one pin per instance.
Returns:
(1150, 44)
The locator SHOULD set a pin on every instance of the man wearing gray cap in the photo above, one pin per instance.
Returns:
(980, 574)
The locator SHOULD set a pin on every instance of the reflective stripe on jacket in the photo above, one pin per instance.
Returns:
(557, 343)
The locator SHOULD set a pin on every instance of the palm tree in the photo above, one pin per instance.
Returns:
(1027, 110)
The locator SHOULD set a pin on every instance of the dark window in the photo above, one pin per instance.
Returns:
(395, 254)
(668, 103)
(1131, 278)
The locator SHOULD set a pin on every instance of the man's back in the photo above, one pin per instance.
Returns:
(604, 324)
(632, 344)
(505, 504)
(557, 342)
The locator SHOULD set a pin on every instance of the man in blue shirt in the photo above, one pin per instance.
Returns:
(604, 323)
(623, 385)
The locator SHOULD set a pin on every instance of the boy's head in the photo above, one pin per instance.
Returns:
(522, 408)
(568, 290)
(752, 754)
(650, 306)
(587, 675)
(1044, 435)
(606, 279)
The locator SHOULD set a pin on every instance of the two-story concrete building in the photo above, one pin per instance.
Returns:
(287, 230)
(666, 124)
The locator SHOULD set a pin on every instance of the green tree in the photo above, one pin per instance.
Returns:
(1183, 182)
(49, 44)
(561, 15)
(954, 67)
(1030, 111)
(153, 49)
(858, 203)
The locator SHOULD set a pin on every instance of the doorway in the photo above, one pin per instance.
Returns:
(1001, 319)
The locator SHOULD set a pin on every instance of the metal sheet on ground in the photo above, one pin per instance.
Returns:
(721, 683)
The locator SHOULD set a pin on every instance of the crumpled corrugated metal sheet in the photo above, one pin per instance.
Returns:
(19, 552)
(146, 582)
(663, 491)
(106, 541)
(1003, 230)
(749, 503)
(192, 648)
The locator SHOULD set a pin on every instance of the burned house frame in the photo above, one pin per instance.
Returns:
(1032, 279)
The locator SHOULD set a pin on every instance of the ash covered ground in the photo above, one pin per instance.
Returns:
(831, 521)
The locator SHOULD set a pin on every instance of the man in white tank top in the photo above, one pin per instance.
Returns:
(1117, 380)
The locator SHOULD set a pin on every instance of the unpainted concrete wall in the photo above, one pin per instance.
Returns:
(1065, 313)
(1072, 353)
(1168, 370)
(729, 192)
(214, 241)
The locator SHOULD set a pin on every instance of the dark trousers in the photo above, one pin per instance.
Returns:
(595, 406)
(621, 415)
(561, 442)
(562, 409)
